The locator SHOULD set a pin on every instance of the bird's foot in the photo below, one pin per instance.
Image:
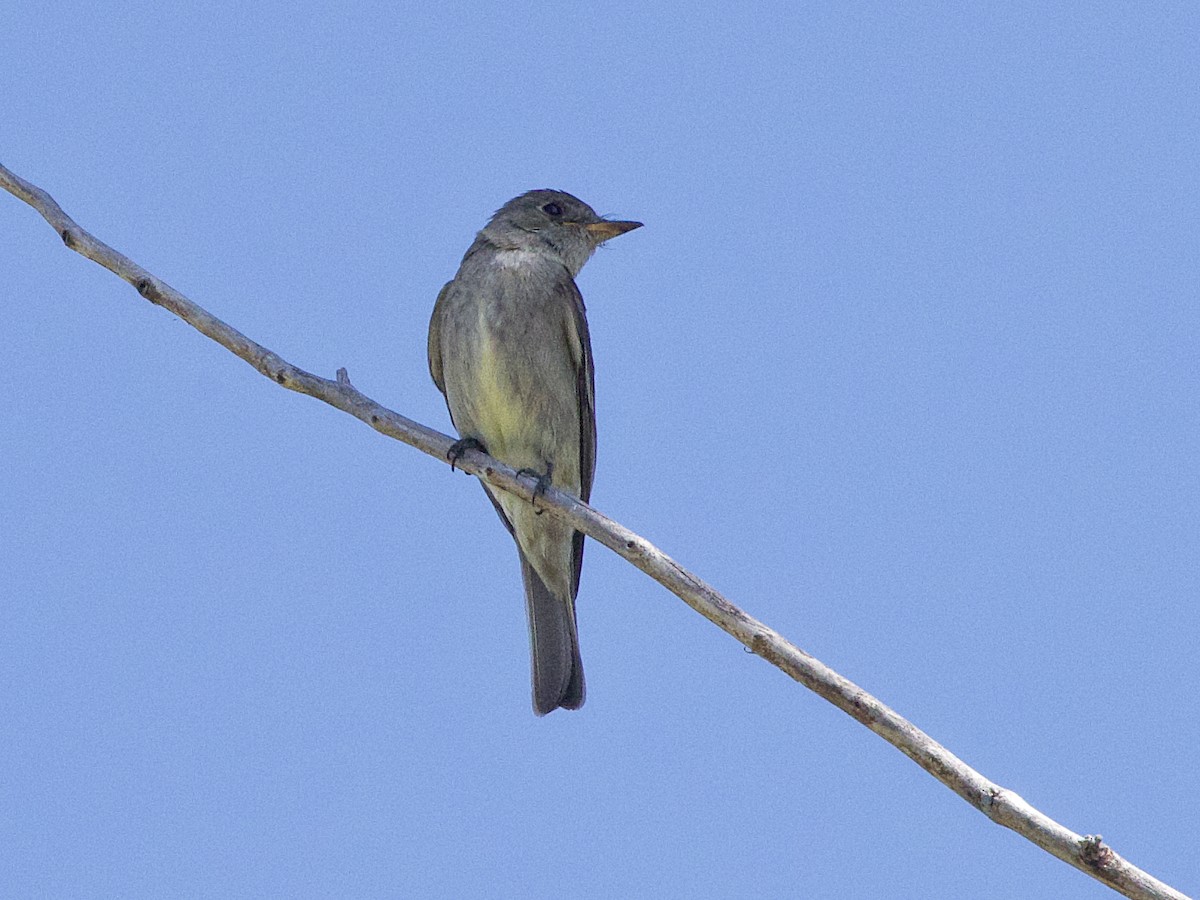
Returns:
(461, 446)
(539, 489)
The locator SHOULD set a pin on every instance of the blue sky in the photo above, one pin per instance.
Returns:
(904, 362)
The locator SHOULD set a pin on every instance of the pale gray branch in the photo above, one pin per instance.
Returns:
(1086, 853)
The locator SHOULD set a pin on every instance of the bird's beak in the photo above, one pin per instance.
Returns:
(603, 231)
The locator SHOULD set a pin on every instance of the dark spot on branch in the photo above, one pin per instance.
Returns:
(67, 239)
(1093, 851)
(629, 545)
(143, 288)
(281, 377)
(374, 420)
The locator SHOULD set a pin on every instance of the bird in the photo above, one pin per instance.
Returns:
(509, 349)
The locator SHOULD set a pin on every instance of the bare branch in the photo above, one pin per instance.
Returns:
(1087, 853)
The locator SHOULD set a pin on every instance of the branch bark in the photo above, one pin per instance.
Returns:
(1087, 853)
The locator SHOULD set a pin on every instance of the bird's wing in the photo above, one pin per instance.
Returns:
(580, 342)
(435, 338)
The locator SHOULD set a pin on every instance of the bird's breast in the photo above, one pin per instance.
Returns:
(512, 381)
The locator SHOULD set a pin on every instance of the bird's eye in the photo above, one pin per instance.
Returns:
(552, 209)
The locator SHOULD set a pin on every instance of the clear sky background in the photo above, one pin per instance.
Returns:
(904, 361)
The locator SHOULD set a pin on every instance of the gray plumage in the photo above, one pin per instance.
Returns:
(509, 349)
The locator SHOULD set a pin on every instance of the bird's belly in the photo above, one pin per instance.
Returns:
(501, 400)
(526, 414)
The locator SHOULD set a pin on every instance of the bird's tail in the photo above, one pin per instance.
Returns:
(557, 669)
